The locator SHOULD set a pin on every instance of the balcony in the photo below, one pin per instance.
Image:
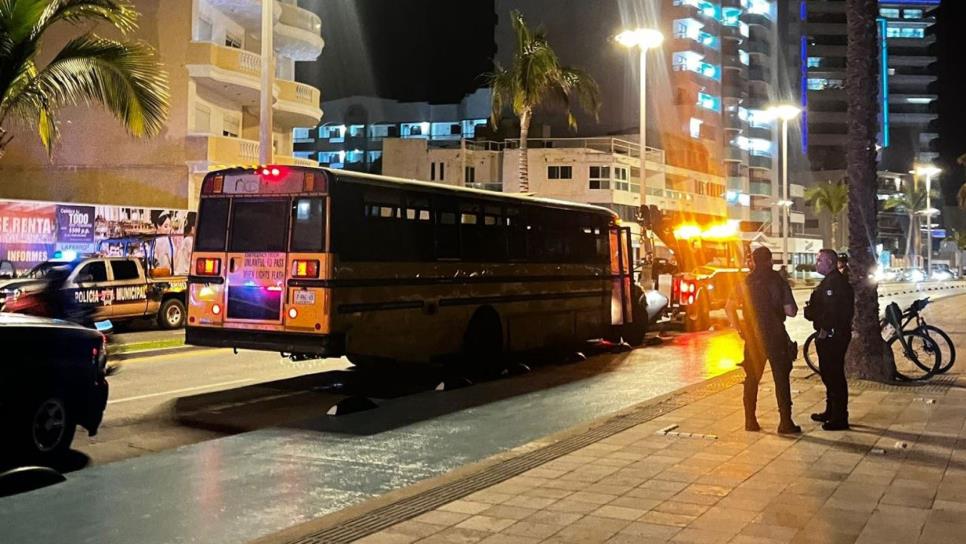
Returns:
(228, 71)
(757, 46)
(759, 73)
(297, 104)
(757, 161)
(763, 133)
(294, 161)
(737, 183)
(734, 91)
(759, 19)
(758, 188)
(735, 153)
(298, 32)
(222, 151)
(732, 121)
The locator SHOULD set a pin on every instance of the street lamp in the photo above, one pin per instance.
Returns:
(643, 39)
(929, 171)
(785, 112)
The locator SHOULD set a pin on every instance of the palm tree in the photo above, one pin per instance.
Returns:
(830, 198)
(911, 201)
(961, 195)
(123, 76)
(536, 77)
(867, 357)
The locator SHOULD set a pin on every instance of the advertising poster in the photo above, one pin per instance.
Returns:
(31, 232)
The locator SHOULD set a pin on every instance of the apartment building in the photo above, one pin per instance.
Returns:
(211, 51)
(352, 135)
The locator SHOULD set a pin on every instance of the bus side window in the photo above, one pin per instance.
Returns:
(447, 230)
(516, 232)
(471, 232)
(417, 228)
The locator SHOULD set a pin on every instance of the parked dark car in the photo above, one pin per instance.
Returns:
(52, 378)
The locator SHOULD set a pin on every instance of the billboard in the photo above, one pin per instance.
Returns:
(31, 232)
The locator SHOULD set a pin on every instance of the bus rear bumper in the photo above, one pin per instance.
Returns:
(324, 345)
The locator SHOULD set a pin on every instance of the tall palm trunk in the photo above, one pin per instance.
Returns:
(866, 357)
(910, 244)
(524, 172)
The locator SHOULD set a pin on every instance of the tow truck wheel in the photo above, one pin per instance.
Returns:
(172, 314)
(697, 318)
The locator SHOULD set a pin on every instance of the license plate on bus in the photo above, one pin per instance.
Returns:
(305, 297)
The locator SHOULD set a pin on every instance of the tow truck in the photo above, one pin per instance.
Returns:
(710, 261)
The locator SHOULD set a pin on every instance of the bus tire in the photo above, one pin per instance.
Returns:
(172, 314)
(697, 317)
(483, 341)
(633, 333)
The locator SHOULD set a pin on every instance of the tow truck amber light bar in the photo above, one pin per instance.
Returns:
(305, 269)
(208, 267)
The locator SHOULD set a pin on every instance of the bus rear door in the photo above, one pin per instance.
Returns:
(622, 291)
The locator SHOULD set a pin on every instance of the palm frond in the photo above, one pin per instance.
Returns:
(118, 13)
(124, 77)
(18, 18)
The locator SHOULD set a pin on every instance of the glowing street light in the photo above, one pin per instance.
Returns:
(785, 112)
(928, 171)
(643, 39)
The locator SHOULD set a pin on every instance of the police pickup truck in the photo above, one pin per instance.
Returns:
(101, 288)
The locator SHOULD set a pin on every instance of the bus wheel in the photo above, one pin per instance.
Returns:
(697, 317)
(483, 342)
(172, 314)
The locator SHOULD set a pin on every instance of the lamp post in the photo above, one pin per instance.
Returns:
(643, 39)
(265, 150)
(928, 171)
(785, 112)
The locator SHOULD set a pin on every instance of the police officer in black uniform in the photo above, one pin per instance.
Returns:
(766, 300)
(830, 310)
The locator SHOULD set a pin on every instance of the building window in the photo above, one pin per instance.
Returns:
(729, 16)
(599, 177)
(232, 41)
(889, 13)
(469, 175)
(442, 171)
(231, 125)
(202, 119)
(204, 32)
(821, 84)
(814, 62)
(912, 14)
(696, 128)
(560, 172)
(709, 102)
(300, 134)
(905, 32)
(620, 179)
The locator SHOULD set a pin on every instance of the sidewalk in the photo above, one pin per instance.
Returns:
(683, 470)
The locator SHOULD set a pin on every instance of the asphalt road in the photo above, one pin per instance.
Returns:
(171, 400)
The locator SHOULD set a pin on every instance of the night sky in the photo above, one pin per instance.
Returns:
(404, 49)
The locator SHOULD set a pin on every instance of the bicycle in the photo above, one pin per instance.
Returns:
(917, 344)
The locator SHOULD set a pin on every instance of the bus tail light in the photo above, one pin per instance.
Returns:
(216, 309)
(207, 266)
(305, 269)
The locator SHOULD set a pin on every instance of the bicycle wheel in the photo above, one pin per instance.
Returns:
(810, 353)
(947, 351)
(915, 365)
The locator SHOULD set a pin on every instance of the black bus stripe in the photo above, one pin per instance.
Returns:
(451, 280)
(466, 301)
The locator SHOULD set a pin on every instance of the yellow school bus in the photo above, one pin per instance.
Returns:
(327, 263)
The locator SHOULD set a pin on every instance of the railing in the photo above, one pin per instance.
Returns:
(614, 146)
(294, 161)
(293, 91)
(227, 58)
(224, 150)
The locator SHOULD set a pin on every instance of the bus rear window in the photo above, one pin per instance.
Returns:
(212, 224)
(255, 225)
(308, 225)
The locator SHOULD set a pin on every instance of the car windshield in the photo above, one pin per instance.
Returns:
(50, 270)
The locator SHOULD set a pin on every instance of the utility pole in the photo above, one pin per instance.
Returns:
(266, 151)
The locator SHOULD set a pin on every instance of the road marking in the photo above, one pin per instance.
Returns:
(167, 356)
(177, 391)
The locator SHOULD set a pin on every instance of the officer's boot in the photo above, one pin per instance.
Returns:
(786, 425)
(751, 404)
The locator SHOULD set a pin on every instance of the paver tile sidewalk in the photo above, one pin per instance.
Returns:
(898, 476)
